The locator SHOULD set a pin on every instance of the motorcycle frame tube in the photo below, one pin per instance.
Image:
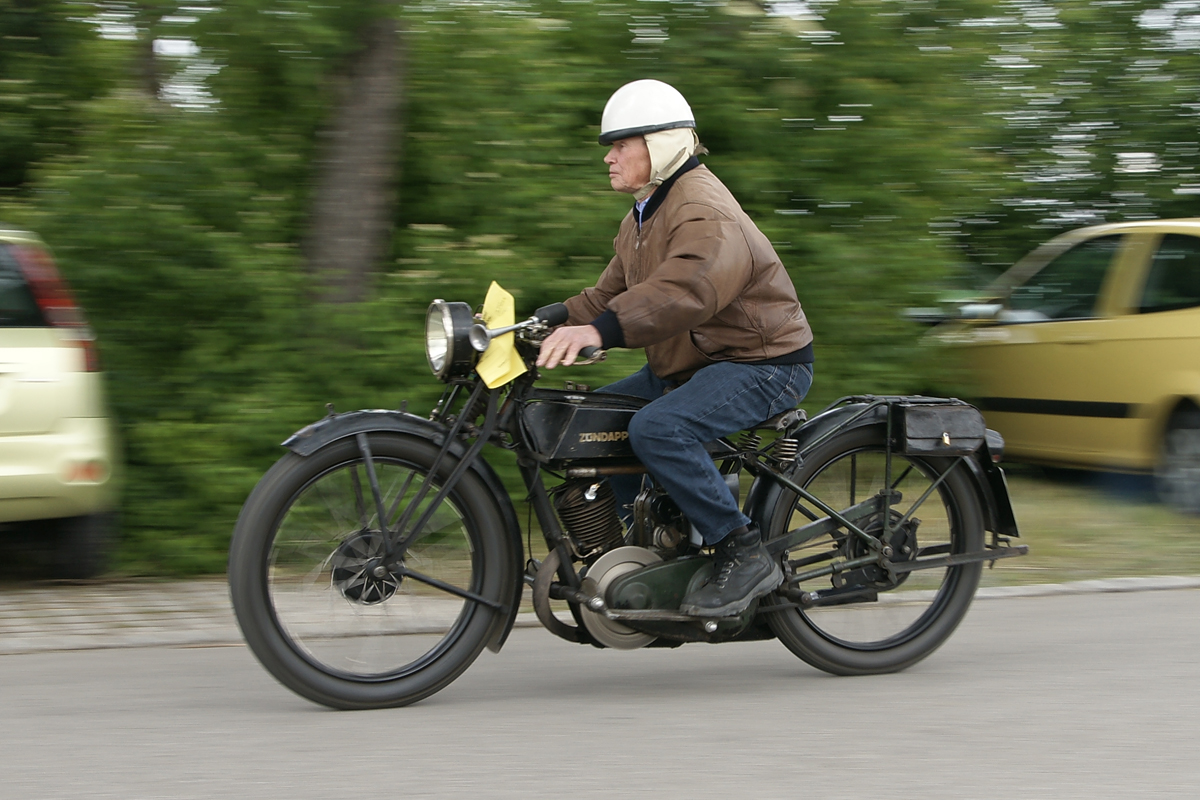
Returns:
(887, 482)
(804, 533)
(531, 473)
(560, 552)
(868, 539)
(552, 531)
(334, 427)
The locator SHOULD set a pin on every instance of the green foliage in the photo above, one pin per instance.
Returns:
(49, 64)
(1099, 109)
(888, 150)
(843, 154)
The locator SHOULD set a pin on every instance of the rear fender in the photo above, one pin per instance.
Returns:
(335, 427)
(992, 487)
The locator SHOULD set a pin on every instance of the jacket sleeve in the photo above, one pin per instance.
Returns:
(708, 264)
(591, 303)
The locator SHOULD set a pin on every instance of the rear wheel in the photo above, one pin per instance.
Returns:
(317, 604)
(1177, 477)
(81, 545)
(886, 622)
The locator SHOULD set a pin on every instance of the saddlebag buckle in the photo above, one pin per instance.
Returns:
(938, 429)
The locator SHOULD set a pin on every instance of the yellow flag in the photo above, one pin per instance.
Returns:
(500, 363)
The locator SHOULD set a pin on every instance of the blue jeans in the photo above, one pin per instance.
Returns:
(668, 434)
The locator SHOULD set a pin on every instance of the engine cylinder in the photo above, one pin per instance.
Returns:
(588, 510)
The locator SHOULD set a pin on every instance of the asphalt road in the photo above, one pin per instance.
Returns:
(1083, 696)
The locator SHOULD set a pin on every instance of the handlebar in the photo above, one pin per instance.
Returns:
(553, 314)
(556, 314)
(480, 335)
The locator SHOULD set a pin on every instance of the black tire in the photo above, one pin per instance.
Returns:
(1177, 475)
(313, 615)
(909, 620)
(81, 545)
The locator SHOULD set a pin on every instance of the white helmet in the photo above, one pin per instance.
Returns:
(644, 107)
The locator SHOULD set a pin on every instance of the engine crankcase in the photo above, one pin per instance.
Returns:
(609, 567)
(660, 586)
(663, 586)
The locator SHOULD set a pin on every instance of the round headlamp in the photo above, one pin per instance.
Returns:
(447, 339)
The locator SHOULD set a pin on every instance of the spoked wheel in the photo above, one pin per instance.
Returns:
(885, 622)
(316, 600)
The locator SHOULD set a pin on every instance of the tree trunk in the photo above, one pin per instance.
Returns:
(147, 66)
(355, 175)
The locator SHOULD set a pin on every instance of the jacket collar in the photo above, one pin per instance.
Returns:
(660, 194)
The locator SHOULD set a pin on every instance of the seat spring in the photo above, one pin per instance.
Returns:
(786, 449)
(749, 441)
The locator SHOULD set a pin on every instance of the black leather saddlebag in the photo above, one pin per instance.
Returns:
(939, 429)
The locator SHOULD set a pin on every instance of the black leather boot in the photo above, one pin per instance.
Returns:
(742, 571)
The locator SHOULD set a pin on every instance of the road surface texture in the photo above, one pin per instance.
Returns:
(1093, 695)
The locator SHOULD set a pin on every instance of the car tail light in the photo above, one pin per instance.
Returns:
(93, 470)
(57, 305)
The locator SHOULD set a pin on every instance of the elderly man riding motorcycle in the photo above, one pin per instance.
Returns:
(696, 284)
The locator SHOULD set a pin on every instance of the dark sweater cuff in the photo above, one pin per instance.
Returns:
(611, 334)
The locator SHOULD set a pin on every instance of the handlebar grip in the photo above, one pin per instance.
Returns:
(553, 314)
(588, 352)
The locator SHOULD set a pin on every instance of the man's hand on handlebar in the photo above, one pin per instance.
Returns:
(563, 345)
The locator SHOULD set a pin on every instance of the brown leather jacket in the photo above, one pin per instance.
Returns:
(698, 284)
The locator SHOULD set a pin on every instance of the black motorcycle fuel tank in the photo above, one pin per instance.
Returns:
(563, 425)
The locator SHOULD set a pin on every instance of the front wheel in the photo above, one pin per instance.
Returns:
(309, 592)
(884, 623)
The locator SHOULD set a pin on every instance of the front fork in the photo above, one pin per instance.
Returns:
(397, 539)
(556, 538)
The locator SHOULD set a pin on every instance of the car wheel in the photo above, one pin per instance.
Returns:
(81, 545)
(1177, 477)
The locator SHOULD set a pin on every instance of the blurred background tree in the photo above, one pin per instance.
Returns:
(49, 66)
(1099, 109)
(256, 199)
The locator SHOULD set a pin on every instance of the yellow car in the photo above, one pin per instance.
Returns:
(56, 446)
(1087, 353)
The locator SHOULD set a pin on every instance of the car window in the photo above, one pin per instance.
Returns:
(18, 309)
(1174, 279)
(1067, 287)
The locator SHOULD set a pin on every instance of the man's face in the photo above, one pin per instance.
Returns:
(628, 164)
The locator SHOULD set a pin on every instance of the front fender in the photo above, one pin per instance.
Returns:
(335, 427)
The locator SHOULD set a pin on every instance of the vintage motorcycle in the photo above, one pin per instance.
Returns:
(379, 556)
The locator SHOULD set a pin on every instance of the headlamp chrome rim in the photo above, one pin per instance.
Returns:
(447, 340)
